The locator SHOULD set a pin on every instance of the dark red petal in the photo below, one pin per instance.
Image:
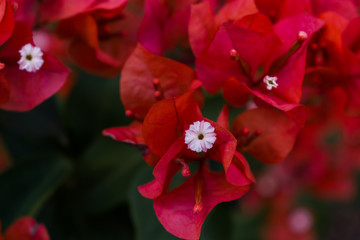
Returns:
(351, 35)
(82, 27)
(256, 22)
(291, 76)
(345, 8)
(6, 21)
(95, 60)
(202, 27)
(278, 134)
(223, 119)
(224, 147)
(272, 8)
(215, 66)
(137, 87)
(235, 93)
(234, 10)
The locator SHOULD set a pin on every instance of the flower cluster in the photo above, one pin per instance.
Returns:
(293, 69)
(289, 71)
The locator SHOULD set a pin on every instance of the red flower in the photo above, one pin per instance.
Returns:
(166, 130)
(29, 76)
(267, 61)
(25, 228)
(145, 80)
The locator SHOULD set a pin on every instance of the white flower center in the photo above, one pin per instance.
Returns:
(31, 58)
(270, 82)
(200, 136)
(302, 35)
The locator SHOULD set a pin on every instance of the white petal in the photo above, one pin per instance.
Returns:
(36, 60)
(192, 136)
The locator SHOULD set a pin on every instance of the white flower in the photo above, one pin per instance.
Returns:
(302, 35)
(31, 58)
(200, 136)
(270, 82)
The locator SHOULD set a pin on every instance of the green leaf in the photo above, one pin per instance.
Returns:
(217, 225)
(146, 224)
(109, 165)
(246, 227)
(213, 106)
(34, 132)
(26, 187)
(94, 104)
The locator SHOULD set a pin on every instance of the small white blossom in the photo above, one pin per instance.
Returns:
(270, 82)
(31, 58)
(200, 136)
(302, 35)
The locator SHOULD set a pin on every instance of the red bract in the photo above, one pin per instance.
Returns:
(351, 36)
(147, 78)
(182, 210)
(26, 228)
(346, 8)
(61, 9)
(333, 57)
(101, 41)
(279, 9)
(165, 25)
(326, 53)
(25, 11)
(203, 24)
(265, 133)
(255, 54)
(351, 39)
(6, 21)
(24, 89)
